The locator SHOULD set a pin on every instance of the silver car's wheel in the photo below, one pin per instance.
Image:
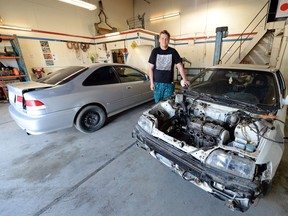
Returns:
(90, 119)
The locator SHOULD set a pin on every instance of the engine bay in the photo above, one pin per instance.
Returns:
(207, 125)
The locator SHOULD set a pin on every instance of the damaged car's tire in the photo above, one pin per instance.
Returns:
(90, 119)
(266, 188)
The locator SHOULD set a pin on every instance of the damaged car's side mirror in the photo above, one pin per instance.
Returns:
(285, 100)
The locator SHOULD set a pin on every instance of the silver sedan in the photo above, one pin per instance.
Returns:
(83, 96)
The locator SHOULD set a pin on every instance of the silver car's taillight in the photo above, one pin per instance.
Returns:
(19, 101)
(34, 107)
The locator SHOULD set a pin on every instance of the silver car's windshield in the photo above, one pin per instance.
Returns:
(247, 86)
(62, 76)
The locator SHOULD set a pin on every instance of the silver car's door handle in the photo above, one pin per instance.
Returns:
(129, 87)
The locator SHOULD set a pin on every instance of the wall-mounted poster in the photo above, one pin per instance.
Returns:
(282, 9)
(48, 57)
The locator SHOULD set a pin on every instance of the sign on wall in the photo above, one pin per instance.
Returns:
(282, 9)
(47, 53)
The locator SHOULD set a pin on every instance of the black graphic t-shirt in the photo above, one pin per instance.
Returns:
(164, 61)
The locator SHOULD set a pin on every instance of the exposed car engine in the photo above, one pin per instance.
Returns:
(201, 125)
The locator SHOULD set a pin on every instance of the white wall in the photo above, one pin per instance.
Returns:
(197, 23)
(56, 16)
(198, 17)
(58, 22)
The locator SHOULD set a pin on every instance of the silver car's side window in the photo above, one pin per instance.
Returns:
(101, 76)
(127, 74)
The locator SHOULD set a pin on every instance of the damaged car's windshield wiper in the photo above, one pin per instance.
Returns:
(242, 104)
(207, 96)
(197, 95)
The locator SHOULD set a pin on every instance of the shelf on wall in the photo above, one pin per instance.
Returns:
(5, 37)
(11, 77)
(9, 57)
(24, 76)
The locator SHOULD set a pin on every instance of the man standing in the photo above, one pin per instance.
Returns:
(161, 68)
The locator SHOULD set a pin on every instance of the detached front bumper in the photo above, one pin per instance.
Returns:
(239, 193)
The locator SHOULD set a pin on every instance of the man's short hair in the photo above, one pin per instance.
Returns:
(165, 32)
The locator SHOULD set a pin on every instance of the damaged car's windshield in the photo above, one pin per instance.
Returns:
(248, 86)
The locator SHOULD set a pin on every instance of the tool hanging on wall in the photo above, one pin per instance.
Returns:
(99, 29)
(76, 45)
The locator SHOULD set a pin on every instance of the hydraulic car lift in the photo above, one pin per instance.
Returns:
(221, 32)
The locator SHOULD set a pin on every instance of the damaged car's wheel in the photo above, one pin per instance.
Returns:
(266, 186)
(90, 119)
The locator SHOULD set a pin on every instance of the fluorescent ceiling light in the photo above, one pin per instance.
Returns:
(112, 34)
(80, 3)
(171, 15)
(156, 18)
(164, 16)
(15, 28)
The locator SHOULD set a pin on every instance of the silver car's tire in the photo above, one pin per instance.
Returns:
(90, 119)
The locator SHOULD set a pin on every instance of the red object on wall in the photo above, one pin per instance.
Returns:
(282, 9)
(38, 72)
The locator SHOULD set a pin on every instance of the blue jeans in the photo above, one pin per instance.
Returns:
(163, 90)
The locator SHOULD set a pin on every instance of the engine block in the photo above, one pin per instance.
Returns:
(207, 134)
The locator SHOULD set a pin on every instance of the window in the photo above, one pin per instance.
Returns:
(250, 86)
(62, 76)
(102, 76)
(127, 74)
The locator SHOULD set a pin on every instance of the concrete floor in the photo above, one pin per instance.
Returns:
(70, 173)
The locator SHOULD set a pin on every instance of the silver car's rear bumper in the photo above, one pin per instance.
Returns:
(43, 123)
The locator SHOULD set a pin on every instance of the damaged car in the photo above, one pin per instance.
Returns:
(224, 133)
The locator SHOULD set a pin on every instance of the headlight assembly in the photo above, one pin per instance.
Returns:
(145, 123)
(232, 164)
